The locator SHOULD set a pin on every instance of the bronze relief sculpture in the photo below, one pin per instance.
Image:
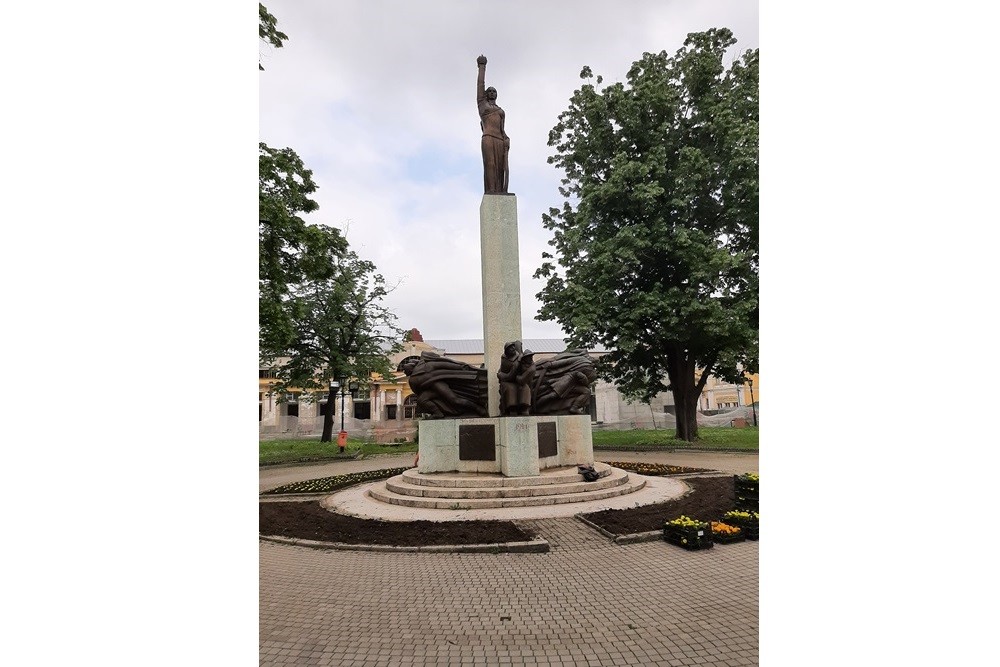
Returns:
(562, 384)
(444, 387)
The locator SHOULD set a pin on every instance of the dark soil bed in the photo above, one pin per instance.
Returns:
(710, 499)
(307, 520)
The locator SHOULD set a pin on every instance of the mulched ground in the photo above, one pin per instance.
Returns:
(710, 499)
(307, 520)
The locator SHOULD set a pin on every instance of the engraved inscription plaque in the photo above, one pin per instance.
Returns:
(477, 442)
(547, 439)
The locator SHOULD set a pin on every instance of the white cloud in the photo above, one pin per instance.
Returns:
(379, 100)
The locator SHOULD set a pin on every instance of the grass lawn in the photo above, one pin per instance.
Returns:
(717, 437)
(721, 438)
(306, 449)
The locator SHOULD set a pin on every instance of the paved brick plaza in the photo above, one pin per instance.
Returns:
(586, 602)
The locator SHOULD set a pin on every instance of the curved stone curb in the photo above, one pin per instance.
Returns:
(534, 546)
(632, 538)
(706, 473)
(606, 533)
(292, 497)
(635, 538)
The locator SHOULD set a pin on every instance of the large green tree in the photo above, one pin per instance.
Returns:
(319, 304)
(657, 242)
(290, 250)
(340, 328)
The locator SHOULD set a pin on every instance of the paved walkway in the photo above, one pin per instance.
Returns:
(586, 602)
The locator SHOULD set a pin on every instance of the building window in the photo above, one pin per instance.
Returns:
(268, 373)
(362, 409)
(410, 407)
(293, 405)
(390, 412)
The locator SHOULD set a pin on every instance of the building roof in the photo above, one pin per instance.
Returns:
(475, 345)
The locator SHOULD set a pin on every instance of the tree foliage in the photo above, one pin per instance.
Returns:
(268, 31)
(340, 328)
(657, 242)
(320, 305)
(290, 250)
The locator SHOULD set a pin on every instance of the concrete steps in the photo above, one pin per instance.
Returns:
(456, 490)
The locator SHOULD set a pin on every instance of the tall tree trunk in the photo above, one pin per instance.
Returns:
(690, 419)
(686, 407)
(686, 397)
(331, 401)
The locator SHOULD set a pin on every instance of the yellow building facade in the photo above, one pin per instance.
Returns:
(385, 408)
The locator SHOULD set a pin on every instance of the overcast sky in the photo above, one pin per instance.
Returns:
(129, 167)
(378, 98)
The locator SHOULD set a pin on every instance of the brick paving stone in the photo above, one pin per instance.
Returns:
(586, 602)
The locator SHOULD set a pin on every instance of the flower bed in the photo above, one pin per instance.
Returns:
(654, 469)
(688, 533)
(724, 533)
(748, 520)
(329, 484)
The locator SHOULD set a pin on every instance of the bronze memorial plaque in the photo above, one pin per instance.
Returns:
(477, 442)
(547, 439)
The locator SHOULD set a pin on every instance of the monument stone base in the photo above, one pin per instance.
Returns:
(511, 446)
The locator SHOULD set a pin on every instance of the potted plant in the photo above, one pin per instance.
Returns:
(724, 533)
(748, 520)
(688, 533)
(747, 491)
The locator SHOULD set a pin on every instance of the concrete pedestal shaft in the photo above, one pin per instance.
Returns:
(501, 285)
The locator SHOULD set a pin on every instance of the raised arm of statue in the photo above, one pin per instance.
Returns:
(481, 80)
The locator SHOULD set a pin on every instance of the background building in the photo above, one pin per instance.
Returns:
(384, 408)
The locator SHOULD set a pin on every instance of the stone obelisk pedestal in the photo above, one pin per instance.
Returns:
(501, 285)
(511, 446)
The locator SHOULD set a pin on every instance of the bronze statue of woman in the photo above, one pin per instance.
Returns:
(496, 143)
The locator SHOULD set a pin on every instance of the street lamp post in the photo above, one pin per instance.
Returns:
(343, 386)
(752, 406)
(331, 404)
(343, 393)
(342, 436)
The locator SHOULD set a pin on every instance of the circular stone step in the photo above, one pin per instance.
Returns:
(560, 475)
(570, 494)
(400, 484)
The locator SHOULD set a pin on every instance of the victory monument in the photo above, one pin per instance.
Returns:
(512, 432)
